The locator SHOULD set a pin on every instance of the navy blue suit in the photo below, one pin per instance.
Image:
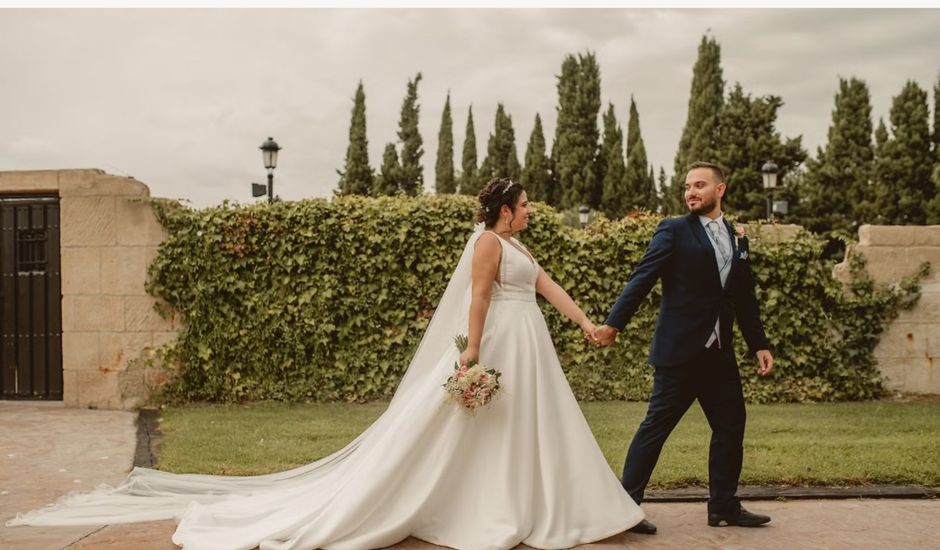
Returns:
(682, 256)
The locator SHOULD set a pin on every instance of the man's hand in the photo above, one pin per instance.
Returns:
(605, 335)
(765, 362)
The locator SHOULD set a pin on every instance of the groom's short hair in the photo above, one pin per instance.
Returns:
(711, 166)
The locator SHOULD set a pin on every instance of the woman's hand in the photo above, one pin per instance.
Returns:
(469, 355)
(588, 327)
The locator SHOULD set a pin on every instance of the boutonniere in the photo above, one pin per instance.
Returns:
(743, 255)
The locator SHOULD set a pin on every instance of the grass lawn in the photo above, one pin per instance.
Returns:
(812, 444)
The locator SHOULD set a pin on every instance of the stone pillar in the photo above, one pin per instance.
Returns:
(908, 348)
(109, 236)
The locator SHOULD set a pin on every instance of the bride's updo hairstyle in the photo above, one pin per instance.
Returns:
(496, 193)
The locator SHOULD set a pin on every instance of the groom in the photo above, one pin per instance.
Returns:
(707, 283)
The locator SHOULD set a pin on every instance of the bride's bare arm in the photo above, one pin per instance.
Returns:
(486, 256)
(557, 296)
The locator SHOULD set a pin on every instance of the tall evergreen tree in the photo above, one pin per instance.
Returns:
(746, 140)
(411, 175)
(575, 149)
(835, 194)
(886, 206)
(444, 181)
(933, 213)
(501, 159)
(615, 198)
(907, 161)
(663, 190)
(469, 183)
(936, 120)
(356, 177)
(536, 176)
(638, 179)
(387, 182)
(700, 134)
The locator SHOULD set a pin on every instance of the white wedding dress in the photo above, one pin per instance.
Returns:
(524, 469)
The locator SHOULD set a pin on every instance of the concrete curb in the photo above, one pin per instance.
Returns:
(698, 494)
(149, 438)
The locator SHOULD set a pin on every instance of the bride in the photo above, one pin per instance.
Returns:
(524, 469)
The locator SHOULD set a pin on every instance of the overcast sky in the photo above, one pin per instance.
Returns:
(181, 99)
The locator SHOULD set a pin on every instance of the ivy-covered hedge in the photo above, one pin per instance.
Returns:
(327, 300)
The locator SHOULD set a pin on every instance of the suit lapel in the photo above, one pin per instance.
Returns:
(734, 253)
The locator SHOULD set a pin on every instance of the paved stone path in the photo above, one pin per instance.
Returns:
(47, 451)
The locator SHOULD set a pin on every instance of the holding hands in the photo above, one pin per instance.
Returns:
(603, 335)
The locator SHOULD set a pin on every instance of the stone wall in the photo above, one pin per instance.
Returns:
(109, 236)
(907, 351)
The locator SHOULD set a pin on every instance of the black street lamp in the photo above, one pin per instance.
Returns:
(583, 213)
(769, 173)
(269, 151)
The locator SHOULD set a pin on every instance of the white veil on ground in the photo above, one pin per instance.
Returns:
(149, 495)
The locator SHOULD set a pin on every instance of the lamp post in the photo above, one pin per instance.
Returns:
(583, 213)
(269, 151)
(769, 174)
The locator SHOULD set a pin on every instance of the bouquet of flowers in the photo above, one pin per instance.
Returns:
(472, 385)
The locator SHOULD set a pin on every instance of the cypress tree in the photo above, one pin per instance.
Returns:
(468, 174)
(836, 189)
(411, 175)
(387, 181)
(356, 177)
(700, 134)
(575, 149)
(936, 120)
(536, 176)
(501, 159)
(663, 190)
(746, 139)
(639, 176)
(933, 213)
(907, 159)
(615, 199)
(444, 181)
(886, 200)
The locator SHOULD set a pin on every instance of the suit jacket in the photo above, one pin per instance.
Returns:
(681, 254)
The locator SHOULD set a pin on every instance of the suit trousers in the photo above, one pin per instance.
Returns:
(712, 377)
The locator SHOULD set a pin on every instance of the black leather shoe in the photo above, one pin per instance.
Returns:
(741, 518)
(644, 528)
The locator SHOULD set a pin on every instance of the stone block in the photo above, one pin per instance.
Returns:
(118, 348)
(88, 221)
(80, 351)
(904, 339)
(137, 223)
(922, 376)
(98, 390)
(81, 270)
(21, 181)
(917, 255)
(70, 388)
(124, 269)
(927, 310)
(899, 235)
(93, 313)
(140, 316)
(95, 183)
(163, 338)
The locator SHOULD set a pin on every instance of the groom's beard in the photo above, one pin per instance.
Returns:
(704, 206)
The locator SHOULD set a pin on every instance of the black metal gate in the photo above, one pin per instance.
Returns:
(30, 298)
